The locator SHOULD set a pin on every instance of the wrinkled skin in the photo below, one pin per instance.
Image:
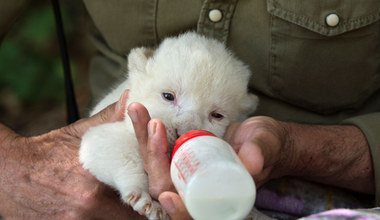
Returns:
(41, 177)
(336, 154)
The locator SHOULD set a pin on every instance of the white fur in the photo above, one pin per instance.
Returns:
(203, 76)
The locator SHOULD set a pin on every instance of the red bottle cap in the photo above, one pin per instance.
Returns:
(187, 136)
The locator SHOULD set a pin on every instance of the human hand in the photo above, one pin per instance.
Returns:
(41, 177)
(338, 155)
(269, 149)
(247, 138)
(261, 144)
(151, 135)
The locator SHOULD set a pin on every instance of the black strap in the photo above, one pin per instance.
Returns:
(71, 104)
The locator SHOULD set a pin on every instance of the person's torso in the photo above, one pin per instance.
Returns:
(315, 59)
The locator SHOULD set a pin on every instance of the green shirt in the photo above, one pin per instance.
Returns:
(314, 61)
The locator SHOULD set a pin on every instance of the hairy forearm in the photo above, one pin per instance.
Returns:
(7, 150)
(336, 155)
(7, 139)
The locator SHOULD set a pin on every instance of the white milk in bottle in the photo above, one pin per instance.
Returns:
(210, 178)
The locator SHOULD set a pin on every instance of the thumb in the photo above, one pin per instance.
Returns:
(112, 113)
(252, 157)
(174, 206)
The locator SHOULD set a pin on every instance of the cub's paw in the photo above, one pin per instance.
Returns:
(142, 202)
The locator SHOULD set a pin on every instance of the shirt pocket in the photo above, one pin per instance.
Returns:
(325, 54)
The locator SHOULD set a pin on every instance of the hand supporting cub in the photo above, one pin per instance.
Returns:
(41, 177)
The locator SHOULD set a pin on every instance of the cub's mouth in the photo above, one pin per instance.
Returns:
(176, 132)
(172, 136)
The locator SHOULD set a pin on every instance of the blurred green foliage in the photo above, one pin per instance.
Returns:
(30, 62)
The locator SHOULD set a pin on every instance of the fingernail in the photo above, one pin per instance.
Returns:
(121, 101)
(168, 204)
(152, 128)
(133, 115)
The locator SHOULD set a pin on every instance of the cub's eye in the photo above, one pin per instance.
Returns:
(168, 96)
(216, 116)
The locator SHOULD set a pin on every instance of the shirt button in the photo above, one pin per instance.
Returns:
(215, 15)
(332, 20)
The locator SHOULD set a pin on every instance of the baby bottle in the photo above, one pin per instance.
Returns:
(210, 178)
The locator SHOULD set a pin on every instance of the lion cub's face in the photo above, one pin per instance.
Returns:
(190, 82)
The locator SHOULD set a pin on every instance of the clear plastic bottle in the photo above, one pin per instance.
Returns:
(210, 178)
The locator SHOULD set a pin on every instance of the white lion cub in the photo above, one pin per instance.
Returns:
(189, 82)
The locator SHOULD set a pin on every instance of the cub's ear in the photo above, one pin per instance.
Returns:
(250, 103)
(138, 58)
